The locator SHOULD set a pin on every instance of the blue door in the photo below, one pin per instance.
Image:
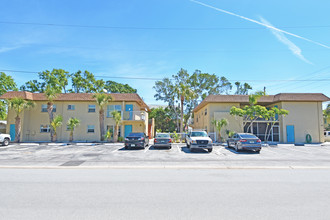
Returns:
(128, 130)
(129, 108)
(12, 132)
(290, 133)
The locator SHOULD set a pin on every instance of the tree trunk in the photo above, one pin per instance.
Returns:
(181, 120)
(101, 118)
(50, 108)
(71, 136)
(115, 136)
(17, 129)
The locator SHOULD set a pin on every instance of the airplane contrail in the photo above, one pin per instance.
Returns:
(260, 23)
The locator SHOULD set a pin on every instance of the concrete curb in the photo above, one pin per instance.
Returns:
(168, 167)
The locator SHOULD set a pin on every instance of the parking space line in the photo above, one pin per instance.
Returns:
(146, 149)
(179, 148)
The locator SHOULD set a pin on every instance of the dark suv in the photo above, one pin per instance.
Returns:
(136, 140)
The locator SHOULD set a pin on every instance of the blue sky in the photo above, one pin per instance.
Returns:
(154, 39)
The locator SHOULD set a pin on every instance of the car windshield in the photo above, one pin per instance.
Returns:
(162, 136)
(199, 134)
(247, 136)
(135, 135)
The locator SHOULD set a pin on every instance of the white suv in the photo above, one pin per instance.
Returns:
(199, 140)
(4, 139)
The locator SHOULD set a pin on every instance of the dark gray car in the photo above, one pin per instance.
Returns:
(136, 140)
(245, 141)
(163, 140)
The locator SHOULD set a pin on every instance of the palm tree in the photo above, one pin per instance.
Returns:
(57, 121)
(184, 93)
(51, 94)
(219, 125)
(102, 100)
(19, 105)
(117, 117)
(72, 123)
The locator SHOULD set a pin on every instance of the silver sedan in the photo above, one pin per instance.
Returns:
(163, 140)
(245, 141)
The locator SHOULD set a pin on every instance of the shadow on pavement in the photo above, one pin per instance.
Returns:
(131, 149)
(153, 147)
(196, 151)
(241, 151)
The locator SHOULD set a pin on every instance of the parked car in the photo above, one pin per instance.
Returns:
(245, 141)
(199, 140)
(327, 135)
(163, 140)
(136, 140)
(4, 139)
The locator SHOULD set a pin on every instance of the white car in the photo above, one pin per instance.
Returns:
(199, 140)
(4, 139)
(327, 136)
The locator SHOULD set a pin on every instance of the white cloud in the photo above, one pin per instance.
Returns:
(282, 38)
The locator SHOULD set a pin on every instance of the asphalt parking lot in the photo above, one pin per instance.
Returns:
(116, 156)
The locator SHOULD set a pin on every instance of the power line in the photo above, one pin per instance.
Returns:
(150, 78)
(156, 28)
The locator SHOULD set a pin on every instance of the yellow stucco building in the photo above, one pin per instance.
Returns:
(304, 118)
(35, 122)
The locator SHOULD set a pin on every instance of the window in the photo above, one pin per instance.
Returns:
(111, 108)
(90, 128)
(91, 108)
(71, 107)
(44, 108)
(44, 128)
(112, 129)
(206, 111)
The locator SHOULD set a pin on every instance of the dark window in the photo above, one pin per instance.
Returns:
(91, 108)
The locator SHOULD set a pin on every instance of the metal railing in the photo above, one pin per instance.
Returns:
(134, 116)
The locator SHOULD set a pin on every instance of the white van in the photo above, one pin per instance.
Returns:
(327, 136)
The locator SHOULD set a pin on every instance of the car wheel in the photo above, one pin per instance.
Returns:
(209, 150)
(126, 148)
(169, 147)
(258, 151)
(236, 148)
(5, 142)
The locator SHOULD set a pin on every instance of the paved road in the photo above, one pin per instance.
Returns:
(115, 155)
(164, 194)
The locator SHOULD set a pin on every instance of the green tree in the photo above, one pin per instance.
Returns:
(102, 99)
(72, 123)
(57, 78)
(33, 86)
(108, 135)
(271, 115)
(165, 119)
(51, 93)
(117, 117)
(57, 121)
(242, 89)
(183, 92)
(19, 105)
(7, 83)
(187, 91)
(114, 87)
(219, 125)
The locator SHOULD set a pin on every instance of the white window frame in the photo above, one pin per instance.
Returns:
(111, 108)
(43, 127)
(89, 127)
(90, 107)
(44, 108)
(71, 107)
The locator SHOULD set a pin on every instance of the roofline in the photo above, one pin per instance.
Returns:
(276, 99)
